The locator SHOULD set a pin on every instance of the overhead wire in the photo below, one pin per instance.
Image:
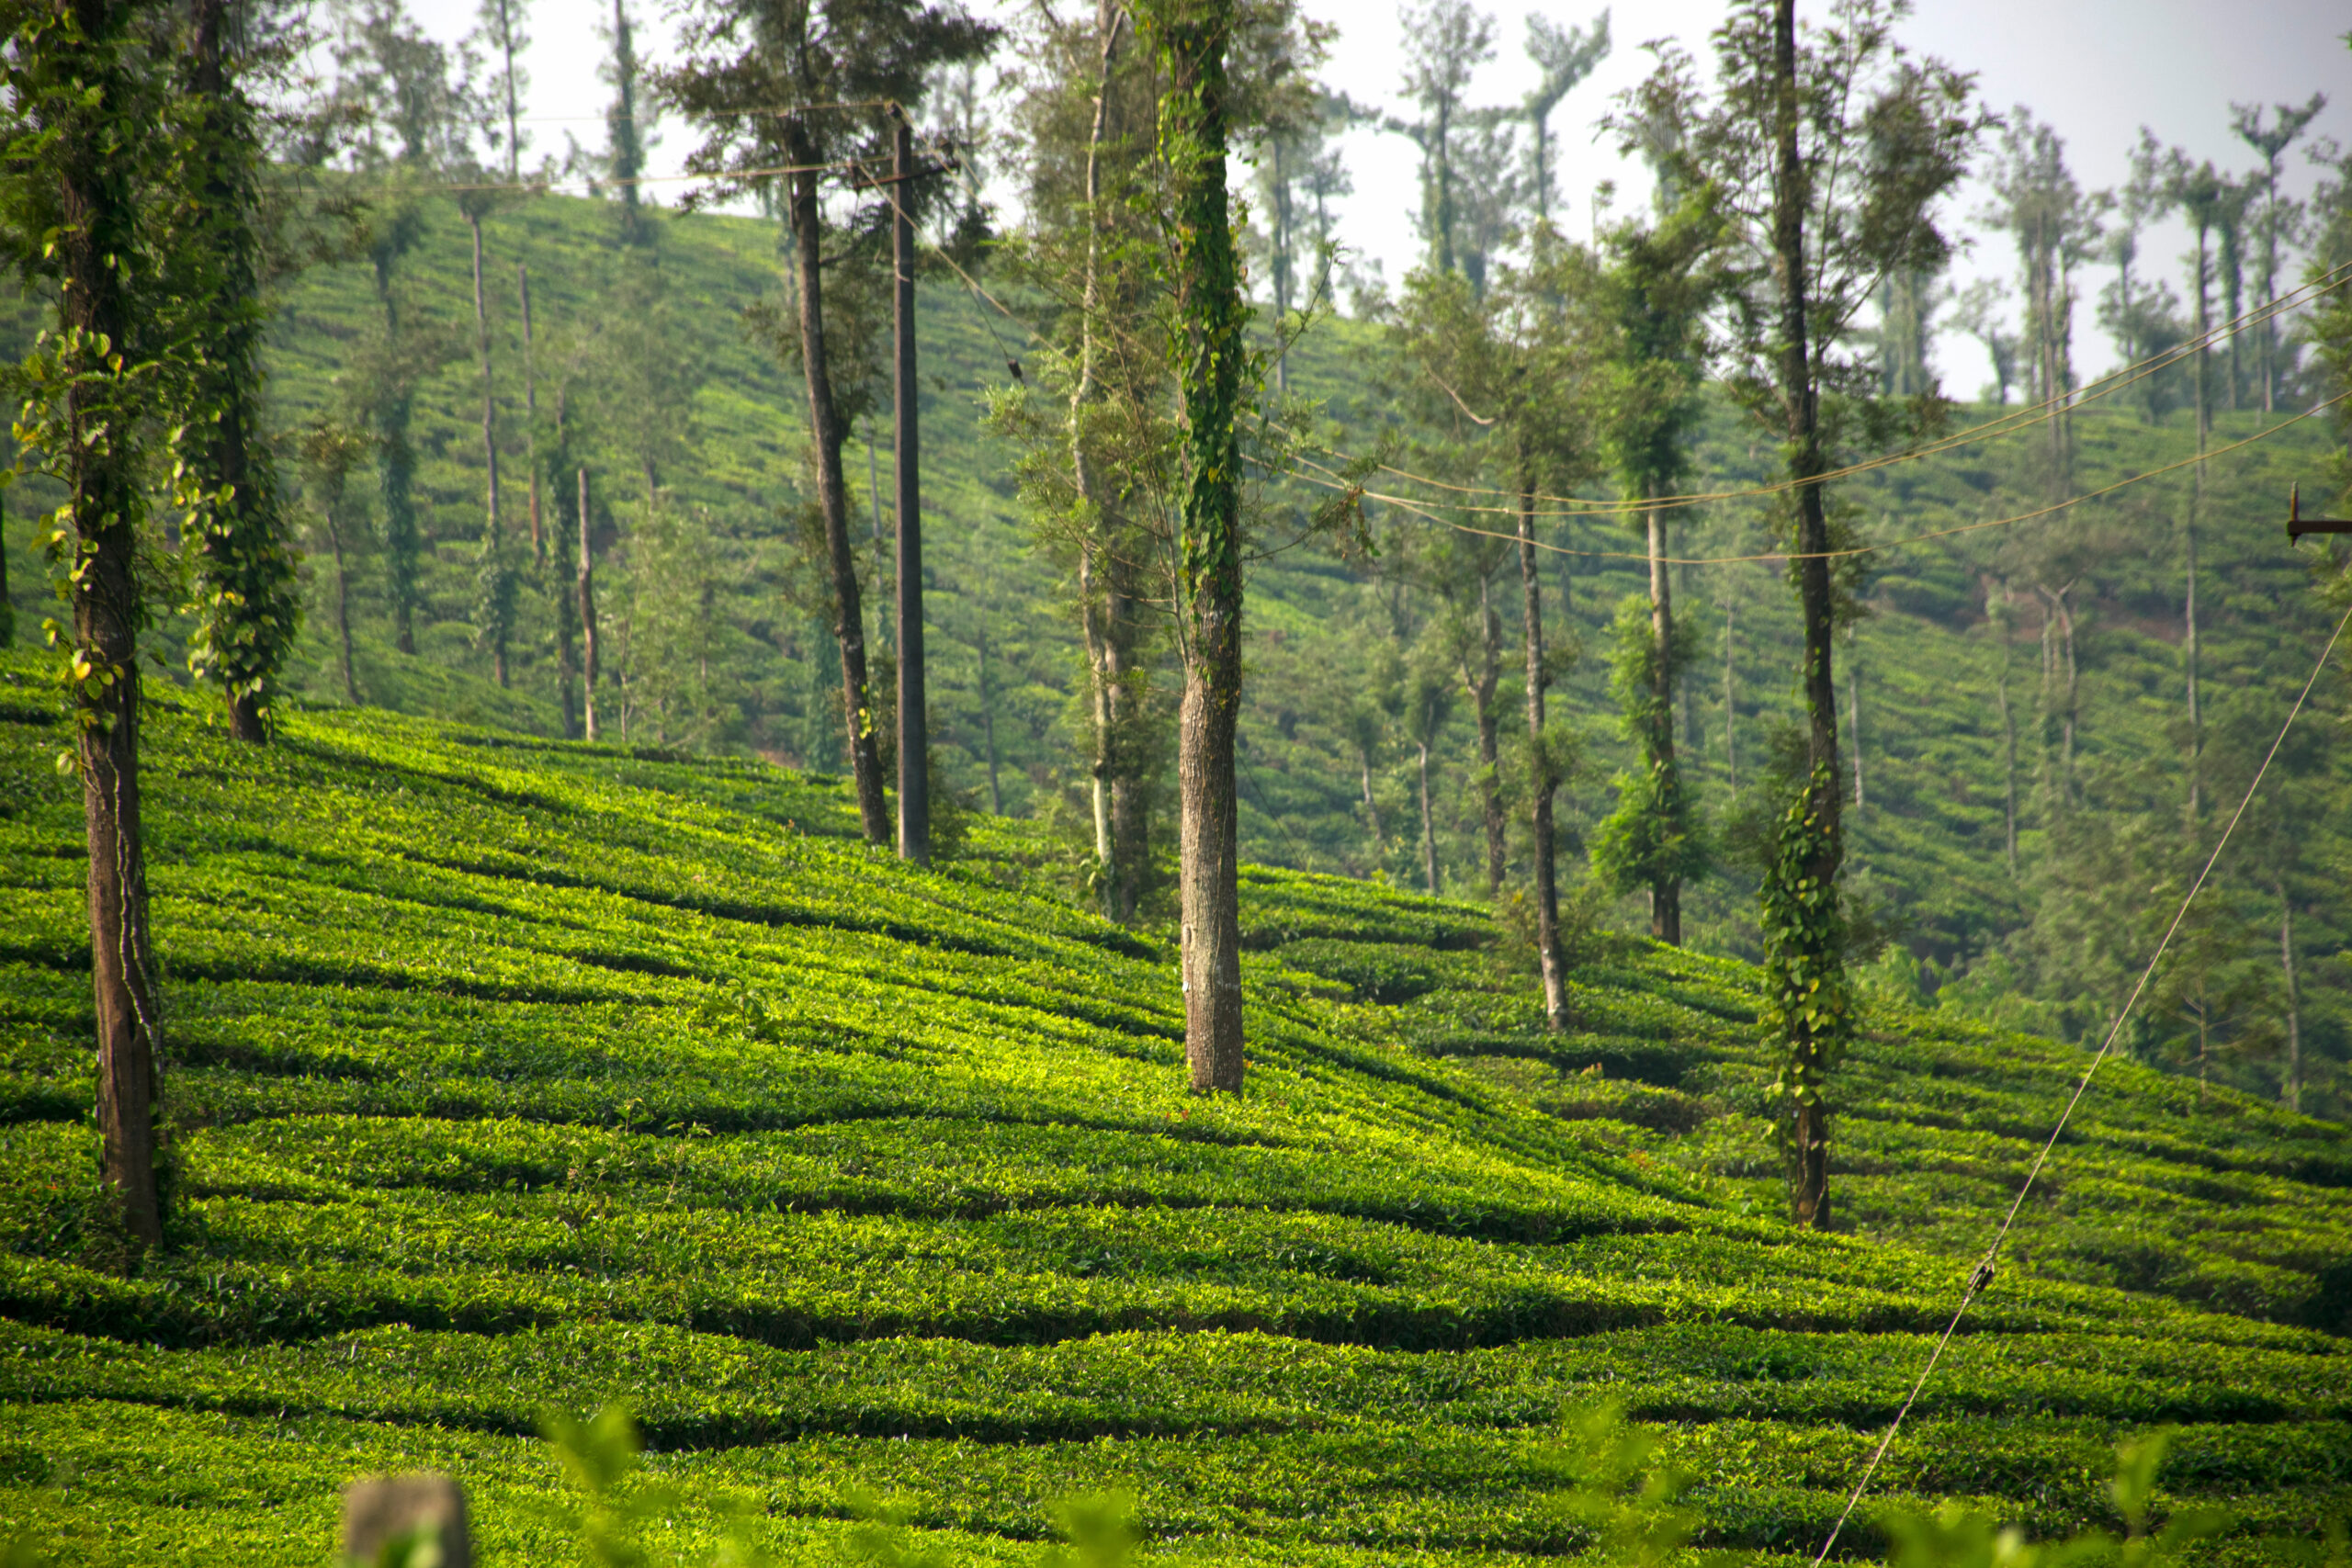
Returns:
(1981, 1276)
(2015, 422)
(1335, 481)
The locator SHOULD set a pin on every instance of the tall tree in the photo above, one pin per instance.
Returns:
(625, 125)
(499, 25)
(410, 100)
(768, 80)
(248, 609)
(329, 452)
(80, 169)
(1653, 295)
(2039, 202)
(1445, 41)
(1563, 57)
(2202, 197)
(1831, 146)
(1190, 38)
(2276, 217)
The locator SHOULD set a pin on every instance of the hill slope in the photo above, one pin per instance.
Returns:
(510, 1074)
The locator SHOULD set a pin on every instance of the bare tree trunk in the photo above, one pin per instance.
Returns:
(2008, 749)
(1107, 609)
(1193, 139)
(988, 701)
(1540, 780)
(531, 408)
(103, 487)
(1730, 706)
(588, 647)
(833, 494)
(2294, 1085)
(1809, 1128)
(1428, 828)
(492, 544)
(342, 600)
(1666, 893)
(1854, 720)
(914, 728)
(1481, 678)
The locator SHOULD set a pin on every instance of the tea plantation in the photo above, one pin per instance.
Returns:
(511, 1076)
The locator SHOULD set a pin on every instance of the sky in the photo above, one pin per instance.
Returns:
(2176, 66)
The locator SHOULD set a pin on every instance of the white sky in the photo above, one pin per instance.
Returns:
(2095, 69)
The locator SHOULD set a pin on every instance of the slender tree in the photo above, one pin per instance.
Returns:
(1445, 42)
(1190, 38)
(1653, 296)
(80, 124)
(767, 83)
(1563, 57)
(1832, 147)
(500, 26)
(626, 128)
(329, 452)
(914, 734)
(2275, 218)
(248, 608)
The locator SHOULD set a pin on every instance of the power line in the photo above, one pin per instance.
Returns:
(1982, 1276)
(2005, 424)
(1335, 482)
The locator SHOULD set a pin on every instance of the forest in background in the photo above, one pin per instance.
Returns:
(2016, 699)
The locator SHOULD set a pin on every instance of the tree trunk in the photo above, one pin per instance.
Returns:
(244, 564)
(1540, 780)
(1731, 704)
(103, 487)
(342, 600)
(914, 728)
(832, 495)
(988, 702)
(1665, 892)
(588, 641)
(1428, 828)
(2189, 646)
(1481, 679)
(2294, 1085)
(1811, 1053)
(2009, 751)
(493, 545)
(531, 408)
(1107, 594)
(1209, 587)
(1854, 717)
(1371, 807)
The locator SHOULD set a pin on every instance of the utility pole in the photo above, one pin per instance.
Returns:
(914, 736)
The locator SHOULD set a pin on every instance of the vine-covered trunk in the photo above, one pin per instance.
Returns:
(1192, 38)
(1805, 932)
(244, 561)
(827, 433)
(1541, 779)
(102, 479)
(1666, 890)
(914, 728)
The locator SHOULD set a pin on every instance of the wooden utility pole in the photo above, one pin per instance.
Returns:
(914, 731)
